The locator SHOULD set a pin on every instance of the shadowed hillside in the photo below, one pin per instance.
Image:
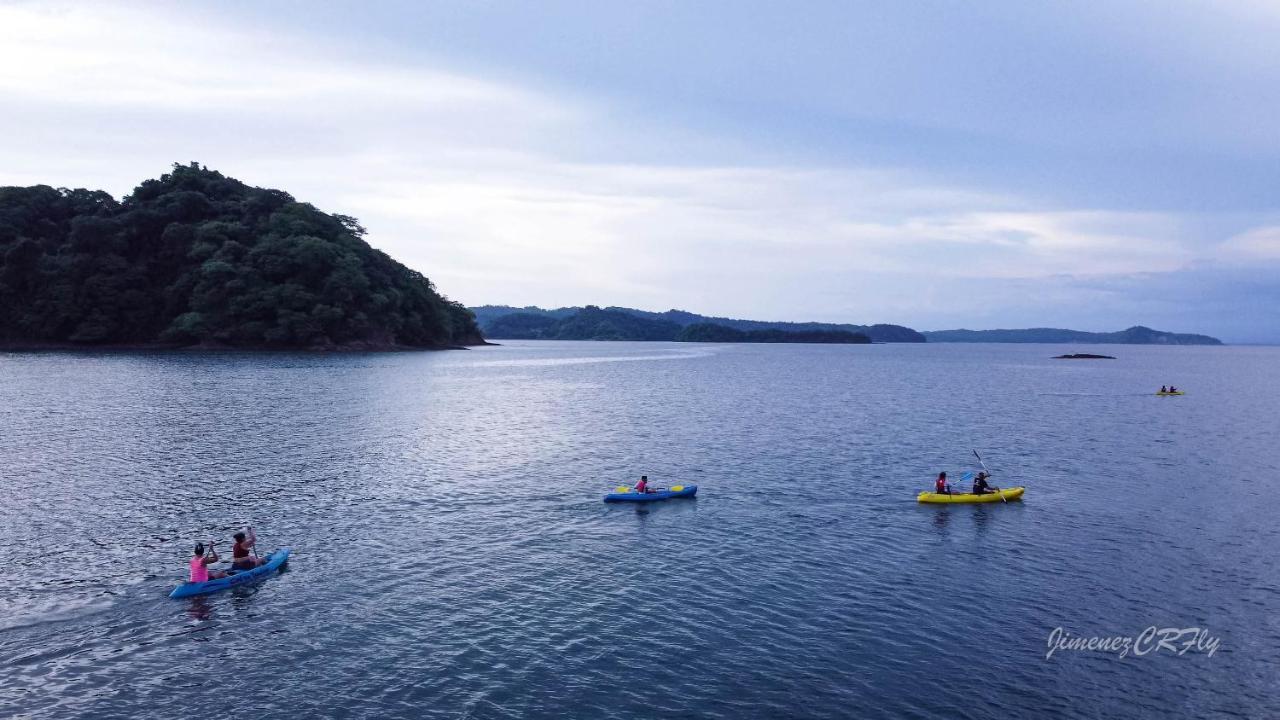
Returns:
(198, 258)
(493, 320)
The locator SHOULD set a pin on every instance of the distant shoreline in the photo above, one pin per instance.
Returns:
(15, 347)
(1136, 335)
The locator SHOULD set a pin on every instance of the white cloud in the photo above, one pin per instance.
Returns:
(112, 57)
(1258, 244)
(464, 178)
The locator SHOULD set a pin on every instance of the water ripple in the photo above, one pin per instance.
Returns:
(452, 557)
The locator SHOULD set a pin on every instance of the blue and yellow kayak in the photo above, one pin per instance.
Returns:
(622, 493)
(1013, 493)
(236, 579)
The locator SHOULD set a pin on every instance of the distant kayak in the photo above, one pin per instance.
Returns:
(625, 494)
(1166, 394)
(243, 577)
(1013, 493)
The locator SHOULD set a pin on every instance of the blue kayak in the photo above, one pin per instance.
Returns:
(236, 579)
(626, 494)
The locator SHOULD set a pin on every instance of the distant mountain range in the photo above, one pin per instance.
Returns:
(617, 323)
(1136, 335)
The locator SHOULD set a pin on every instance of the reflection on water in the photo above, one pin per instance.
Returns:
(605, 357)
(453, 557)
(941, 516)
(199, 608)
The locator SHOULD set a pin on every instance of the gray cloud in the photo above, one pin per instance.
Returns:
(508, 190)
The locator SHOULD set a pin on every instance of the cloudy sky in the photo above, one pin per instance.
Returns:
(939, 164)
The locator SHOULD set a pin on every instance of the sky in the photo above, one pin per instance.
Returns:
(933, 164)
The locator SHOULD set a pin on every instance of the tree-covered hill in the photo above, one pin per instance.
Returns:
(486, 314)
(522, 326)
(593, 323)
(710, 332)
(589, 323)
(492, 320)
(1136, 335)
(198, 258)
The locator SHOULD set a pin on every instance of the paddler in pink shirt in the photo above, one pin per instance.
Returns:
(200, 563)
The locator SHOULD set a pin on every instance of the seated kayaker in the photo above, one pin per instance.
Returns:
(941, 487)
(1163, 389)
(980, 486)
(643, 485)
(200, 562)
(240, 559)
(1173, 389)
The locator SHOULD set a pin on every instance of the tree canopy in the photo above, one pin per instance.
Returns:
(710, 332)
(589, 323)
(196, 257)
(492, 320)
(593, 323)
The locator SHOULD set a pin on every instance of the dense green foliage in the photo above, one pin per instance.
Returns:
(199, 258)
(1136, 335)
(490, 318)
(593, 323)
(487, 314)
(589, 323)
(710, 332)
(522, 326)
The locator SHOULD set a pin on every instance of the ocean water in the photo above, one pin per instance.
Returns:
(452, 557)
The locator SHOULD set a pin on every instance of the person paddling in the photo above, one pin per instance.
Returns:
(940, 486)
(980, 486)
(200, 562)
(643, 485)
(1164, 389)
(240, 559)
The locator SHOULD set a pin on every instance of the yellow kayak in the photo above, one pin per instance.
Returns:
(1167, 394)
(1013, 493)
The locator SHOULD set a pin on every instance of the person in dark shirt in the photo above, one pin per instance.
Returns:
(240, 559)
(980, 486)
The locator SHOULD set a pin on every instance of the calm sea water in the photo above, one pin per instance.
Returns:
(453, 558)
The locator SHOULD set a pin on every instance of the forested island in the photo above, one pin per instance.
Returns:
(1136, 335)
(618, 323)
(196, 258)
(710, 332)
(593, 323)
